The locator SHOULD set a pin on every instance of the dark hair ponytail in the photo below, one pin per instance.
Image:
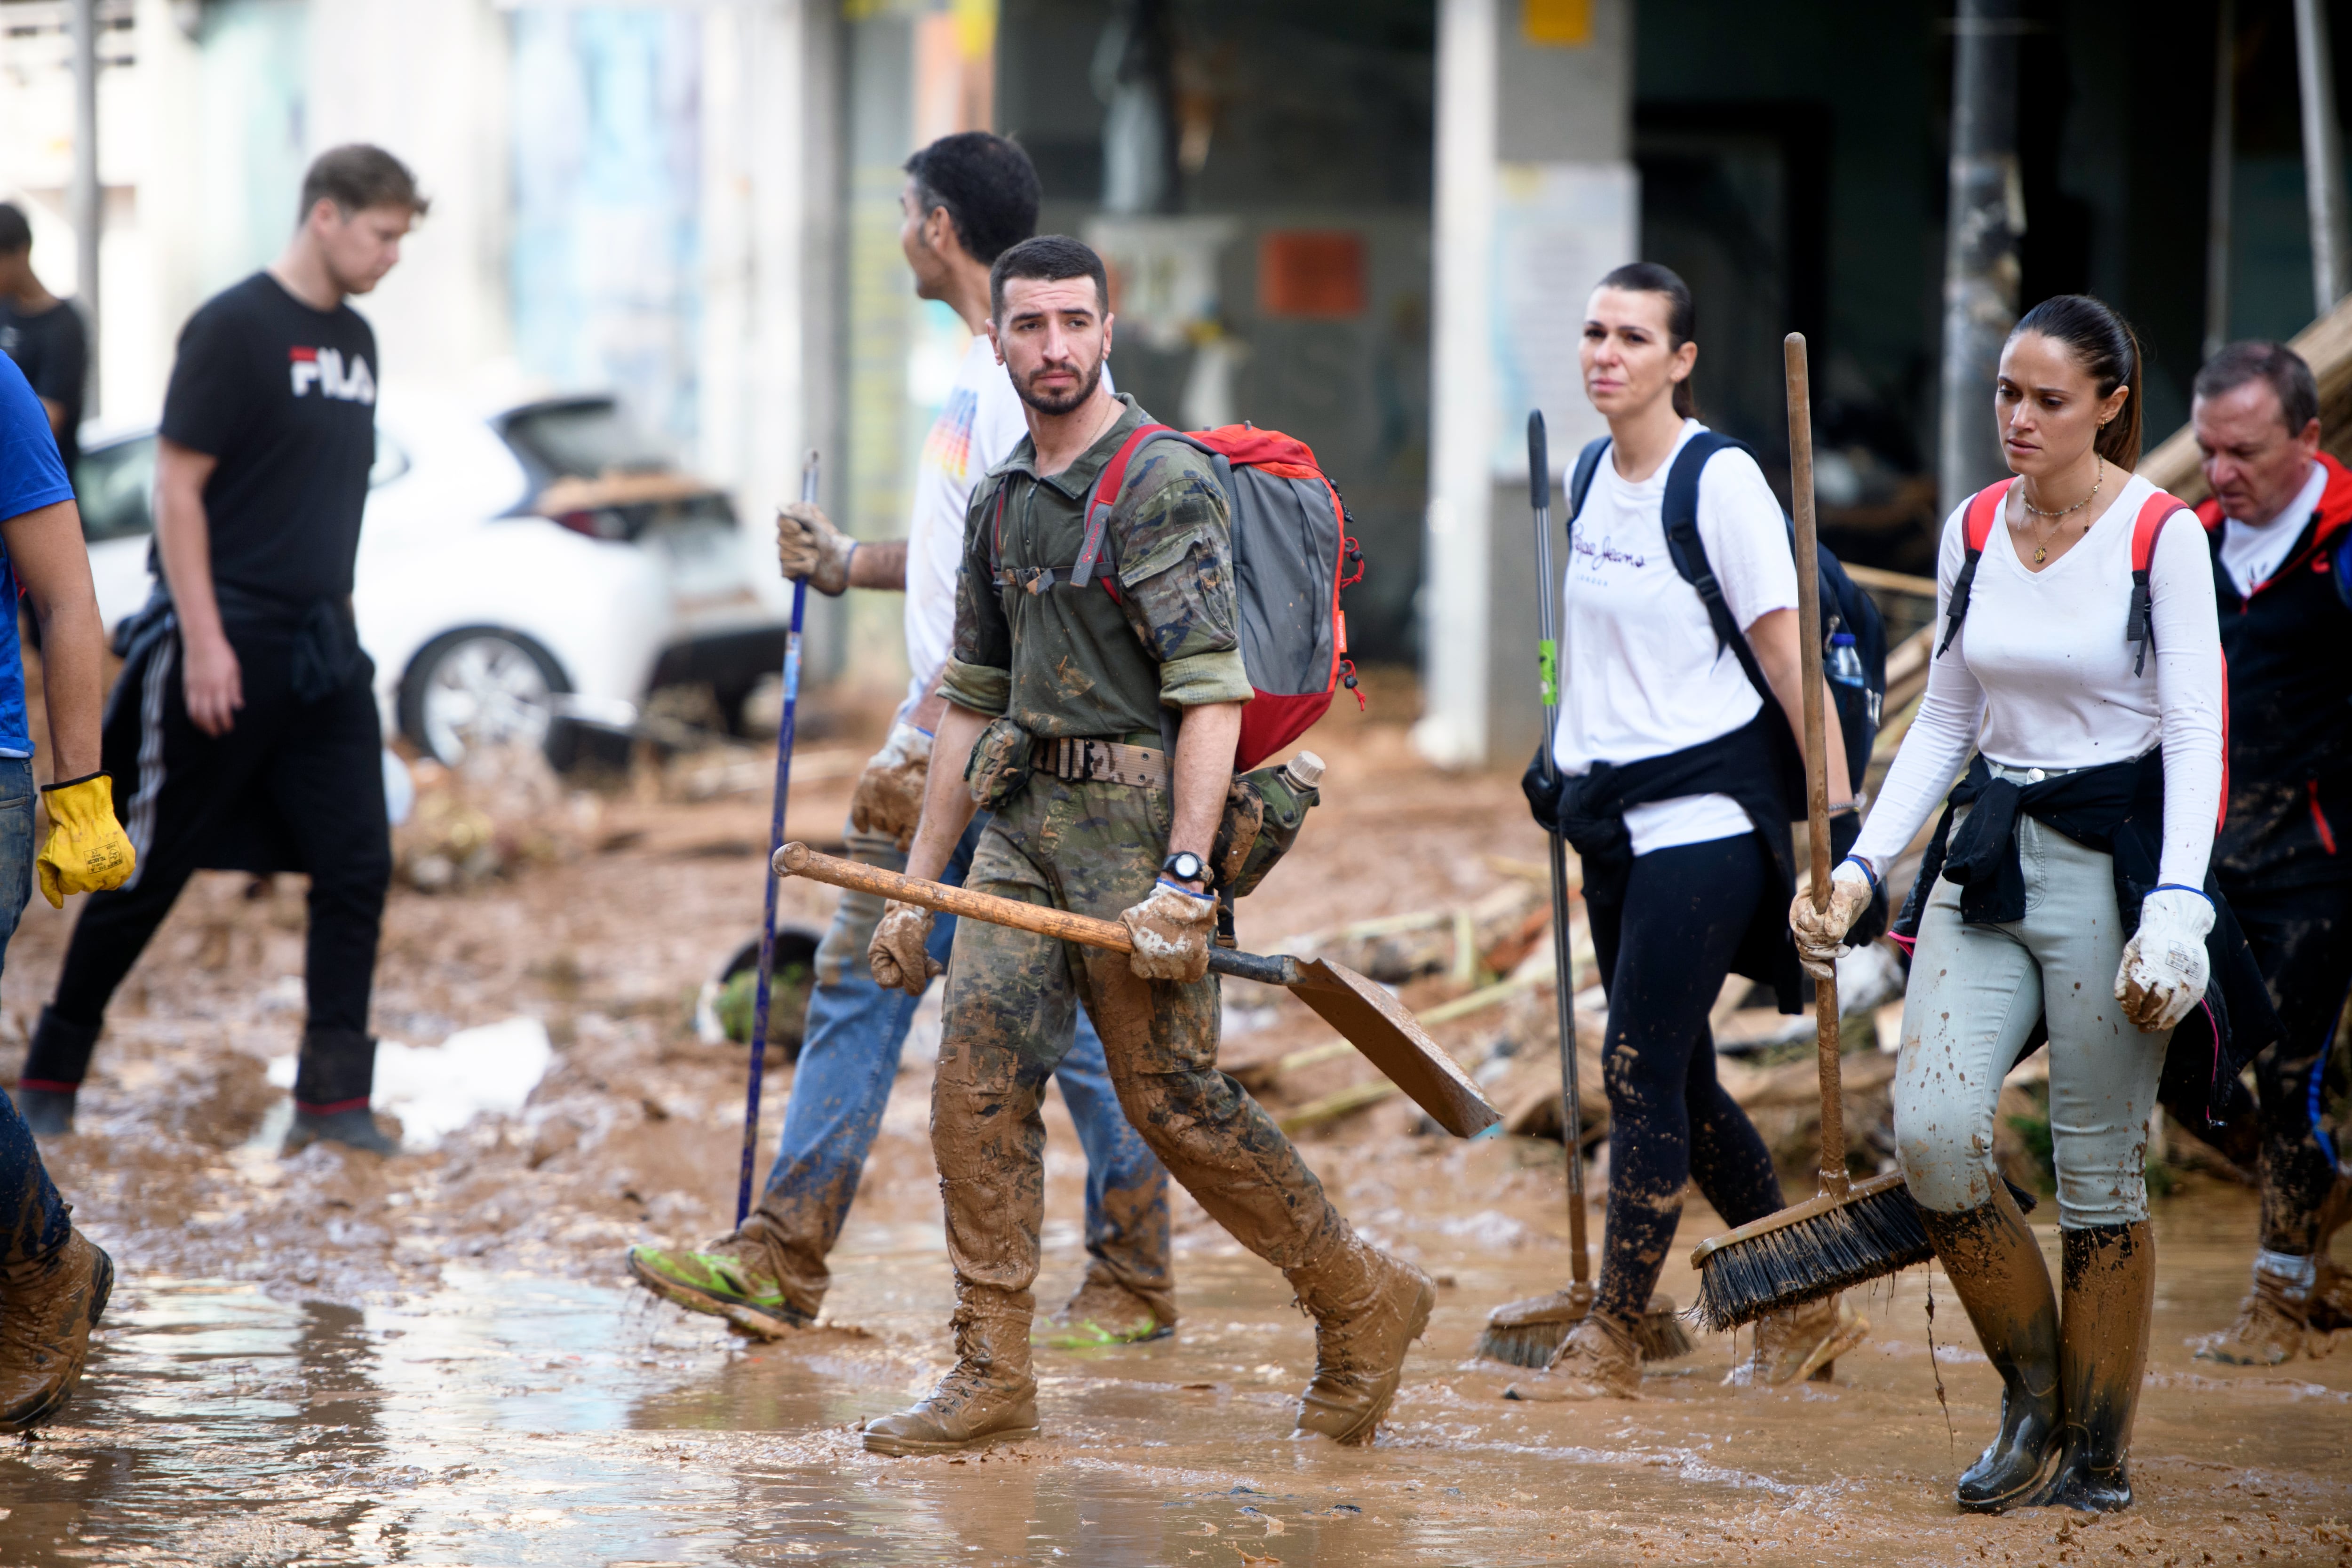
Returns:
(2107, 348)
(1682, 316)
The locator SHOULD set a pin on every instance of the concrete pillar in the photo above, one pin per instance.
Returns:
(2323, 158)
(87, 197)
(1984, 221)
(1536, 199)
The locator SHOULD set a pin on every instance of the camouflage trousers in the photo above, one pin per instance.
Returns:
(1093, 848)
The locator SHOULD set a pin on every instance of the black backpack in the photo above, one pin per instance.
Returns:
(1846, 610)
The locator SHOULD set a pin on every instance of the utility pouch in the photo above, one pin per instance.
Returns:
(1001, 760)
(1263, 812)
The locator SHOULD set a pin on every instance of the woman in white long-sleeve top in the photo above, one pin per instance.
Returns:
(2078, 675)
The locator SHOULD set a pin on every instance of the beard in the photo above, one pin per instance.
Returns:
(1062, 405)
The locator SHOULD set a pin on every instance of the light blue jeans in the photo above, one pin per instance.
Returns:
(849, 1055)
(1974, 995)
(32, 1215)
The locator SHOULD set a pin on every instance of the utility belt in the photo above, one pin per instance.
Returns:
(1125, 761)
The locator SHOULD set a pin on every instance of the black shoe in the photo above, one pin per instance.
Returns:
(48, 1113)
(354, 1129)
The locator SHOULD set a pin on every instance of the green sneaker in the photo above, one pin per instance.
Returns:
(718, 1282)
(1103, 1312)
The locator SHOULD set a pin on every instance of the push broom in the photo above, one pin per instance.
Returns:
(785, 728)
(1847, 1233)
(1530, 1332)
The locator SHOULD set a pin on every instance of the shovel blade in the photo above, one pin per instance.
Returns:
(1392, 1040)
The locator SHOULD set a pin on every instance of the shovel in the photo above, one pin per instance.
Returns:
(1368, 1016)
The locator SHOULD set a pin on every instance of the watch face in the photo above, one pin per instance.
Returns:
(1184, 868)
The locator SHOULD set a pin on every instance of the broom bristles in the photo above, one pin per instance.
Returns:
(1836, 1249)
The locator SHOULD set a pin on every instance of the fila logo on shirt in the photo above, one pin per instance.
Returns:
(323, 368)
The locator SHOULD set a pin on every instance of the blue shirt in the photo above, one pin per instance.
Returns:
(32, 476)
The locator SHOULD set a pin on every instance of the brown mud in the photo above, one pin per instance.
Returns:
(435, 1359)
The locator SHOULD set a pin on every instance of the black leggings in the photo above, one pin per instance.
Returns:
(1665, 953)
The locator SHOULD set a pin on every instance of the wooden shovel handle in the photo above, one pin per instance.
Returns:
(1817, 776)
(799, 860)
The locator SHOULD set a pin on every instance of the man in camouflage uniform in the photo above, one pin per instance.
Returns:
(1056, 692)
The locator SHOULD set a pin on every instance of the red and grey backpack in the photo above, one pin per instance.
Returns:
(1292, 555)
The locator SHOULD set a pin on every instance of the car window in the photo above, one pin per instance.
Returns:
(391, 461)
(581, 437)
(115, 485)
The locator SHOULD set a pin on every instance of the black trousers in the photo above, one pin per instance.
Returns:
(292, 784)
(2302, 938)
(1664, 953)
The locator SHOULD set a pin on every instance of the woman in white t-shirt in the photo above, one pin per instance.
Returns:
(1669, 788)
(2081, 701)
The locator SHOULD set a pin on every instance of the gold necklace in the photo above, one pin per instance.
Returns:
(2042, 551)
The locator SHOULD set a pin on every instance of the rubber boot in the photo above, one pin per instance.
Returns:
(333, 1075)
(57, 1059)
(2110, 1287)
(1995, 1267)
(989, 1397)
(48, 1307)
(1367, 1308)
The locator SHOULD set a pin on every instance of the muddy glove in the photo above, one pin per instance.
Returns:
(1171, 930)
(899, 956)
(808, 545)
(2165, 967)
(1820, 933)
(889, 794)
(87, 851)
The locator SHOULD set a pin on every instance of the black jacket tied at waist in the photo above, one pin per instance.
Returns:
(2118, 810)
(1590, 812)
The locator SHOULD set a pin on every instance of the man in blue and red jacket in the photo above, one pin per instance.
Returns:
(2280, 524)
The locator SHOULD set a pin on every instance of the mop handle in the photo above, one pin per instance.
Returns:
(1834, 1180)
(775, 842)
(1571, 1113)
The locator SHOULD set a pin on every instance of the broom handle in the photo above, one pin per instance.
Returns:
(1563, 958)
(1835, 1181)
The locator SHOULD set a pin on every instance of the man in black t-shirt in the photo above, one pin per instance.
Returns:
(44, 335)
(245, 718)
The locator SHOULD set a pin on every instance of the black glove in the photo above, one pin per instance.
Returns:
(1846, 827)
(1543, 795)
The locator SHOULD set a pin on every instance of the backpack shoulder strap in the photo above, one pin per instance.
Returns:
(1679, 512)
(1099, 505)
(2139, 626)
(1975, 527)
(1579, 481)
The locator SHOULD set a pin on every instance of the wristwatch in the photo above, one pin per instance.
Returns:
(1184, 867)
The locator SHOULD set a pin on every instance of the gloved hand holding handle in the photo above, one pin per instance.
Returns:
(899, 956)
(2165, 965)
(1171, 930)
(809, 547)
(87, 851)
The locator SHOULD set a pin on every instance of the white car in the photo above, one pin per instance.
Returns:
(545, 562)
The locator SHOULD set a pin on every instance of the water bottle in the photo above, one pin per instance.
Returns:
(1843, 664)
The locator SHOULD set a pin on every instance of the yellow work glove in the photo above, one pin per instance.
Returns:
(87, 851)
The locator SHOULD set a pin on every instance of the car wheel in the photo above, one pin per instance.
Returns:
(479, 687)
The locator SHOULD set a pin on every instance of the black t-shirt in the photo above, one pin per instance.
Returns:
(53, 350)
(284, 396)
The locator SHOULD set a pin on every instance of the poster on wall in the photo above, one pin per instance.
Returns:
(1558, 228)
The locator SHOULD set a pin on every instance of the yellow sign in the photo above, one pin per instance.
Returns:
(1567, 22)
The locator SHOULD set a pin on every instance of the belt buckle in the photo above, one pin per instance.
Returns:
(2034, 775)
(1095, 760)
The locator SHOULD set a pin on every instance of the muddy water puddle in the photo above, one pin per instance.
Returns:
(507, 1419)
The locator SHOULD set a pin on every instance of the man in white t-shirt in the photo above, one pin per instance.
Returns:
(968, 198)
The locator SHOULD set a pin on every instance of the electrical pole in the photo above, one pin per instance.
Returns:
(86, 197)
(2323, 158)
(2217, 179)
(1983, 223)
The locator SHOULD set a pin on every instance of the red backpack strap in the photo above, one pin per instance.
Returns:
(1975, 527)
(1105, 497)
(2138, 627)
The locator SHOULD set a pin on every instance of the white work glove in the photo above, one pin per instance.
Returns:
(889, 794)
(808, 545)
(1820, 933)
(2164, 968)
(900, 957)
(1171, 930)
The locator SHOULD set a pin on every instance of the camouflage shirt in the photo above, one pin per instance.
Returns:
(1070, 661)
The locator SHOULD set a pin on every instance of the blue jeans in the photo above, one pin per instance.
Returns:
(849, 1055)
(32, 1215)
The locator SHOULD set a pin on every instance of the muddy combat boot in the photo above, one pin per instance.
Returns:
(989, 1397)
(2275, 1320)
(1994, 1264)
(1102, 1311)
(1600, 1360)
(48, 1113)
(1367, 1308)
(1799, 1343)
(2331, 1288)
(2110, 1291)
(738, 1277)
(47, 1308)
